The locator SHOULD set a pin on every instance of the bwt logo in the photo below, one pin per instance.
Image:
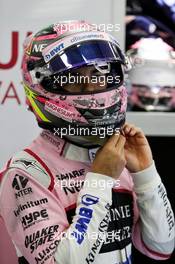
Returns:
(19, 184)
(34, 217)
(53, 52)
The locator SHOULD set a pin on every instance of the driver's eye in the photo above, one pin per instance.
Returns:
(97, 73)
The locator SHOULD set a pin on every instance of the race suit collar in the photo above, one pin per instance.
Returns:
(65, 149)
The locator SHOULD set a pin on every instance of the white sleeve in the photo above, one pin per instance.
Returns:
(156, 223)
(84, 237)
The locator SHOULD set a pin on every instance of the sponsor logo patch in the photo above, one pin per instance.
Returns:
(34, 217)
(29, 204)
(85, 216)
(27, 164)
(19, 184)
(40, 237)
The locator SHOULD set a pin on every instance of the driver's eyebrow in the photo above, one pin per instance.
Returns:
(74, 72)
(79, 73)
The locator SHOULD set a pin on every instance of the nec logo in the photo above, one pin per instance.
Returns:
(39, 47)
(34, 217)
(19, 184)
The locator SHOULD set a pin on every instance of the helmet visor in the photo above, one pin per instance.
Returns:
(87, 53)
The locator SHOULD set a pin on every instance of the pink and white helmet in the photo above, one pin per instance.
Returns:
(152, 79)
(54, 52)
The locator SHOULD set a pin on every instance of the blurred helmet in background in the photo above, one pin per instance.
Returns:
(152, 79)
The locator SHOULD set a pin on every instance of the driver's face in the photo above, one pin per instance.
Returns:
(87, 79)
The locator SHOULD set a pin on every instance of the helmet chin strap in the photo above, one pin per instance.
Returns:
(80, 141)
(97, 140)
(86, 141)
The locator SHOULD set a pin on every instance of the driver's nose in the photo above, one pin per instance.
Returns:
(93, 83)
